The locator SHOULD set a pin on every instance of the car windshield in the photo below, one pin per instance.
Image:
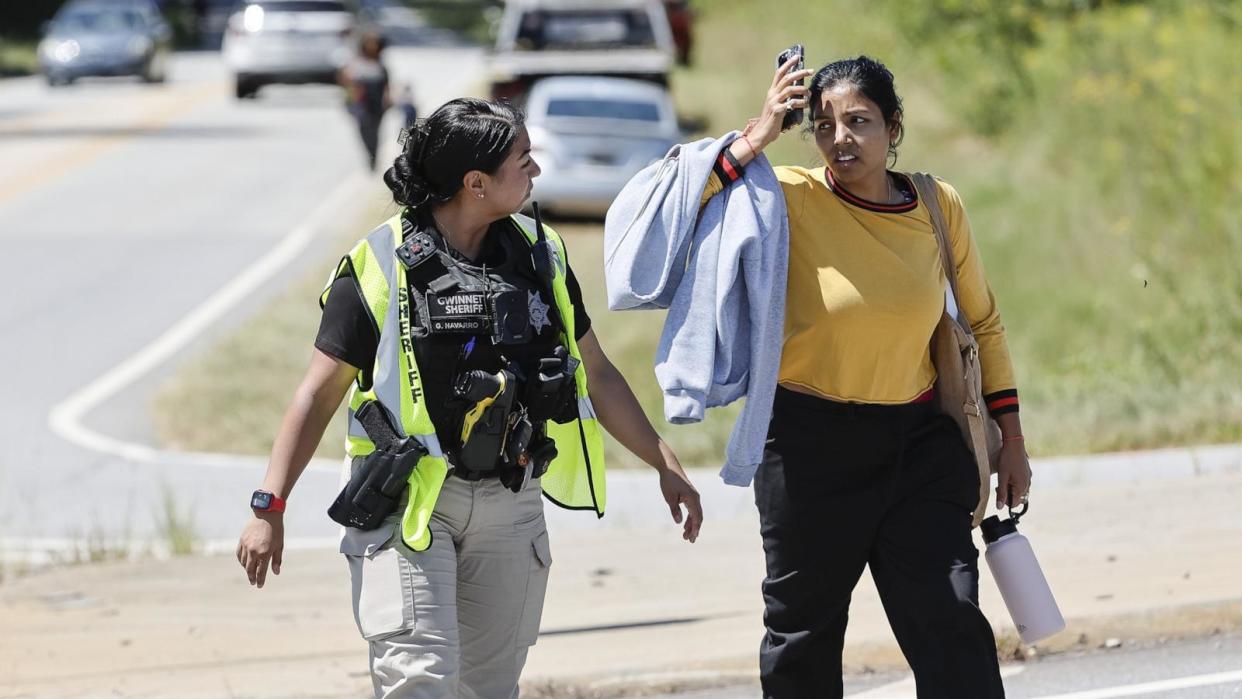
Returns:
(301, 6)
(109, 20)
(604, 109)
(585, 29)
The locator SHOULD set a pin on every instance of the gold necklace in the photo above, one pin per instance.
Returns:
(440, 226)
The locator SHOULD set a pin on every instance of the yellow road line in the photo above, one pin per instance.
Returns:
(59, 112)
(178, 103)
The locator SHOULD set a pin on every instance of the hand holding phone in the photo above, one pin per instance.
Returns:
(793, 117)
(782, 106)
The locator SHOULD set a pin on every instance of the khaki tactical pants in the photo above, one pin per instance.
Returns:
(454, 621)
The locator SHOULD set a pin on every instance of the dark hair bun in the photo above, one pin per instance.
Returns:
(408, 186)
(462, 135)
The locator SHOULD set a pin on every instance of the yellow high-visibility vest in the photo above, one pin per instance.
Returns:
(575, 478)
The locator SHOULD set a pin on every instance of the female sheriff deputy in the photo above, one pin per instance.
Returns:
(475, 384)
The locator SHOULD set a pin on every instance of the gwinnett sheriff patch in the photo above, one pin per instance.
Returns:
(538, 312)
(464, 312)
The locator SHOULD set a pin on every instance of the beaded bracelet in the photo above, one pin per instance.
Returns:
(753, 153)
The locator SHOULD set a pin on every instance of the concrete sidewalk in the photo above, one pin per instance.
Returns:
(631, 608)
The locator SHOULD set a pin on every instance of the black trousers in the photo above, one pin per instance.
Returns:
(368, 129)
(844, 486)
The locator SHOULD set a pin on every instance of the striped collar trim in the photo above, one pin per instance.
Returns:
(905, 184)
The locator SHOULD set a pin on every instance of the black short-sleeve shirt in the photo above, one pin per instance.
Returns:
(346, 331)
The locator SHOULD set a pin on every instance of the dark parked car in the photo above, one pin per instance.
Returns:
(105, 37)
(681, 22)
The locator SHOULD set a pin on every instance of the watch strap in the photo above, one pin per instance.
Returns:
(274, 503)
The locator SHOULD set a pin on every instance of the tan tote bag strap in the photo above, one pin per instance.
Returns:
(959, 376)
(929, 192)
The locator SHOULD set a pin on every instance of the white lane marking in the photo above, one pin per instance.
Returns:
(904, 688)
(65, 418)
(1131, 690)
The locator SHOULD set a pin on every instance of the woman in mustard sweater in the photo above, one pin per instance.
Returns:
(860, 469)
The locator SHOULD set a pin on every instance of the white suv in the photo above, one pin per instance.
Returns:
(287, 41)
(617, 38)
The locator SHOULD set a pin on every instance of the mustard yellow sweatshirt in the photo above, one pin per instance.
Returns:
(866, 290)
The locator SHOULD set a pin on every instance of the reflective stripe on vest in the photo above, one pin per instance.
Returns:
(395, 381)
(575, 479)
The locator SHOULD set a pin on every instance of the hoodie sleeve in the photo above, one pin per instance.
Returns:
(686, 357)
(648, 228)
(695, 365)
(764, 266)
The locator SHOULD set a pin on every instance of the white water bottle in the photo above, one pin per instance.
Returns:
(1022, 584)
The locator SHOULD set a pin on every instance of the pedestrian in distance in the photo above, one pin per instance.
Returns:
(457, 329)
(860, 467)
(365, 80)
(405, 103)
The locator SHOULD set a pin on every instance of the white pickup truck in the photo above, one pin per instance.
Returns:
(618, 38)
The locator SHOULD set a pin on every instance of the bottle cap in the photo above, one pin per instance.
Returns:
(994, 528)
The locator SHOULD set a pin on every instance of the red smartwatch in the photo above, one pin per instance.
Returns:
(264, 501)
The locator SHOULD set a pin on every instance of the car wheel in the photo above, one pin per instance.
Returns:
(246, 88)
(156, 71)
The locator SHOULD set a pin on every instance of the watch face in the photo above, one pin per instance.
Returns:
(261, 500)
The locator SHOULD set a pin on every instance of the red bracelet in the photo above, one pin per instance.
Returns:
(753, 153)
(1015, 438)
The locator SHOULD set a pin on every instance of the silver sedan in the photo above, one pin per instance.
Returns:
(590, 135)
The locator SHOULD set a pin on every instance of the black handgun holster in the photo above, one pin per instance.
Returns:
(375, 486)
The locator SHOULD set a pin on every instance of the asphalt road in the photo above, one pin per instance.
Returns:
(1204, 669)
(123, 209)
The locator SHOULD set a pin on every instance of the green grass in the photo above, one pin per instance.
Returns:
(18, 56)
(1100, 199)
(175, 524)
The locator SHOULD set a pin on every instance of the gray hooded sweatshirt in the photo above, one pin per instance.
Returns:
(721, 273)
